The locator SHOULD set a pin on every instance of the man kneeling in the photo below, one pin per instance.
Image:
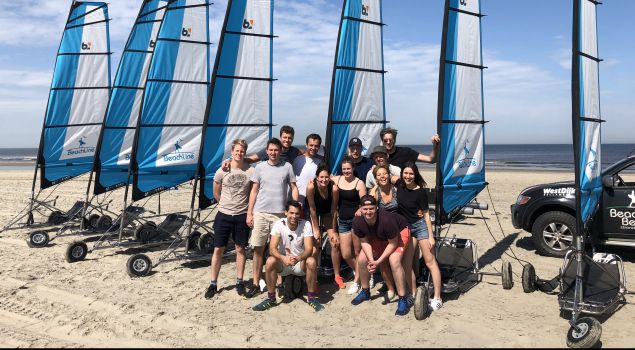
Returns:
(385, 239)
(290, 250)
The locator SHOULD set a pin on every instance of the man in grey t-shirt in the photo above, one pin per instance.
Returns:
(272, 180)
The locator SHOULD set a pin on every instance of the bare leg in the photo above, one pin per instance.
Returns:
(386, 274)
(346, 247)
(271, 273)
(311, 273)
(433, 267)
(406, 262)
(241, 259)
(217, 261)
(362, 268)
(398, 273)
(257, 263)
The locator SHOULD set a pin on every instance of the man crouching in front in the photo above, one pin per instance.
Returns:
(290, 250)
(385, 240)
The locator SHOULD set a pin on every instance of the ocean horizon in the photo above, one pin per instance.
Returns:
(497, 156)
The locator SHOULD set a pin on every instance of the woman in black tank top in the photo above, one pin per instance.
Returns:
(347, 192)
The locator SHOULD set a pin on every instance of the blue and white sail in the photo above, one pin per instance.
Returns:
(168, 137)
(78, 97)
(586, 109)
(113, 153)
(239, 104)
(460, 120)
(357, 107)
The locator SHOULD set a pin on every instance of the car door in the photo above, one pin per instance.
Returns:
(618, 205)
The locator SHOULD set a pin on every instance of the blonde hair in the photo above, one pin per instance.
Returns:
(239, 142)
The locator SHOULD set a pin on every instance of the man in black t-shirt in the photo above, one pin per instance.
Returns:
(385, 239)
(399, 156)
(361, 164)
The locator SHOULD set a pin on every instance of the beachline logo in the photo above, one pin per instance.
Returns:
(178, 155)
(152, 44)
(248, 23)
(593, 163)
(463, 2)
(86, 46)
(82, 149)
(186, 32)
(365, 10)
(466, 161)
(632, 197)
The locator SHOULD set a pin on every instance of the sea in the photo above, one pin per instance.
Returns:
(540, 156)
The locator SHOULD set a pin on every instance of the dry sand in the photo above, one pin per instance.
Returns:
(47, 302)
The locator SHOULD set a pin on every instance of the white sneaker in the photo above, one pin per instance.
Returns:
(391, 296)
(353, 289)
(262, 284)
(436, 304)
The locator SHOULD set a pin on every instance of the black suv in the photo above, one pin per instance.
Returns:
(548, 211)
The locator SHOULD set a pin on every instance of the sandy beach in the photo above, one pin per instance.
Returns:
(47, 302)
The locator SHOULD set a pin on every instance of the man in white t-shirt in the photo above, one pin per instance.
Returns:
(304, 167)
(290, 253)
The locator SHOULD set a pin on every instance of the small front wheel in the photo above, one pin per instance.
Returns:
(292, 287)
(38, 239)
(93, 219)
(421, 308)
(76, 251)
(587, 334)
(139, 265)
(507, 276)
(529, 278)
(104, 223)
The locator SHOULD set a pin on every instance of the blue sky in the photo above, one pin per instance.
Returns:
(526, 46)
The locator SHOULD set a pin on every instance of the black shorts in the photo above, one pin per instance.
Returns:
(230, 225)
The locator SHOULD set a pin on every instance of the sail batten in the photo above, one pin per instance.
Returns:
(357, 105)
(461, 167)
(113, 154)
(78, 96)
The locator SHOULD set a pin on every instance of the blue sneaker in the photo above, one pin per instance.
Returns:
(363, 295)
(402, 307)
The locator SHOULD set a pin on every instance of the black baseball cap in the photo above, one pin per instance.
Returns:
(355, 141)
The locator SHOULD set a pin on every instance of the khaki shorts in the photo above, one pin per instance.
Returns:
(295, 270)
(263, 223)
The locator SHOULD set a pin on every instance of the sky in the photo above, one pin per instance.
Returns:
(526, 47)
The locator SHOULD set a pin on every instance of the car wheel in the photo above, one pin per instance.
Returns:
(553, 232)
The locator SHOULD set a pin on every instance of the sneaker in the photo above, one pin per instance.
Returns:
(264, 305)
(240, 289)
(251, 291)
(340, 282)
(389, 297)
(280, 292)
(354, 288)
(211, 291)
(363, 295)
(383, 289)
(410, 300)
(402, 307)
(436, 304)
(315, 304)
(263, 285)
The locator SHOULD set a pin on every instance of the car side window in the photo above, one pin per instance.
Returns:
(628, 176)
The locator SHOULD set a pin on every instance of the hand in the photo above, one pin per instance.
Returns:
(226, 164)
(432, 240)
(292, 260)
(435, 139)
(358, 212)
(334, 240)
(250, 220)
(372, 266)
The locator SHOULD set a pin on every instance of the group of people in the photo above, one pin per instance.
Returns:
(375, 214)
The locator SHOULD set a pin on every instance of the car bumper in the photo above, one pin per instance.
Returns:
(515, 216)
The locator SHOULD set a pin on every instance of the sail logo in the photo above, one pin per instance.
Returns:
(592, 164)
(86, 46)
(248, 23)
(152, 44)
(632, 198)
(186, 32)
(81, 149)
(365, 10)
(466, 161)
(178, 154)
(463, 2)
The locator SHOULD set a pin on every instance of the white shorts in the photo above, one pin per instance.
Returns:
(295, 270)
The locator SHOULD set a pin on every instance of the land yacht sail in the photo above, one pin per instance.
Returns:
(113, 152)
(460, 115)
(167, 142)
(239, 104)
(357, 107)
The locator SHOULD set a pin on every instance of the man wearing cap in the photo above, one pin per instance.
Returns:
(361, 164)
(380, 157)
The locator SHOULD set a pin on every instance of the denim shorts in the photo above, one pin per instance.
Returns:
(344, 226)
(419, 230)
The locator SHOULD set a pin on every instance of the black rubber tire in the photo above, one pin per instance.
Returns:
(588, 337)
(542, 222)
(93, 221)
(104, 223)
(76, 251)
(421, 307)
(138, 265)
(206, 242)
(38, 239)
(293, 286)
(56, 218)
(193, 241)
(145, 232)
(529, 278)
(507, 275)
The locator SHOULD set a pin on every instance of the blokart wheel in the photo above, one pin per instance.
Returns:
(139, 265)
(145, 233)
(104, 223)
(56, 217)
(292, 287)
(507, 276)
(93, 221)
(38, 239)
(206, 242)
(421, 308)
(529, 278)
(192, 241)
(76, 251)
(588, 335)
